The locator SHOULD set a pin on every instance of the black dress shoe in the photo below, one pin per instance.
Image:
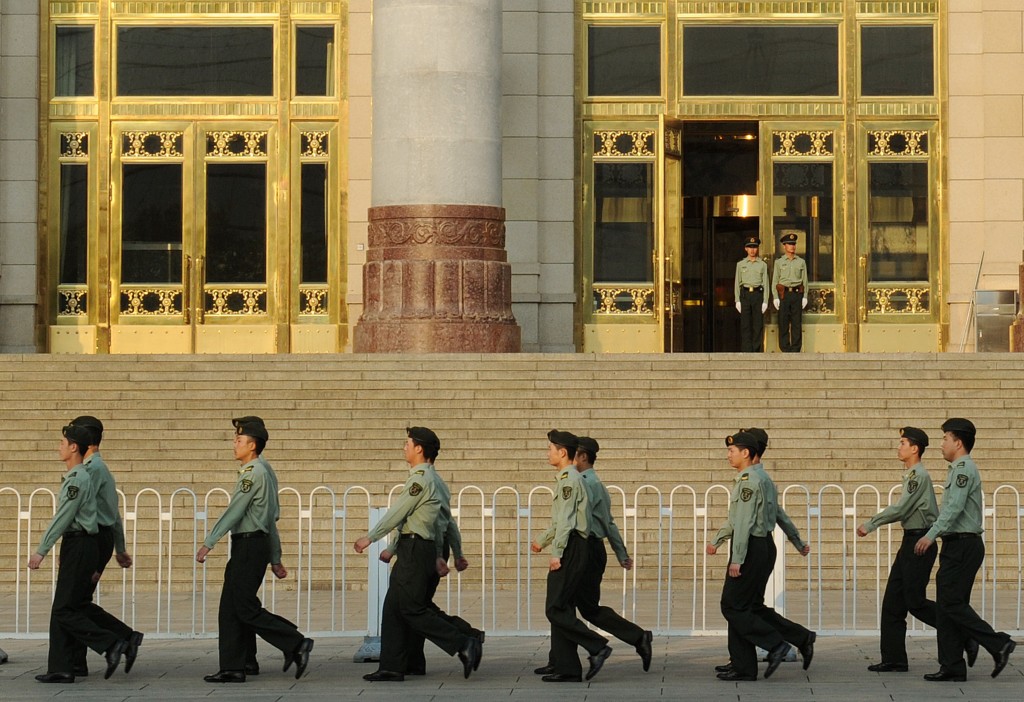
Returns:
(480, 636)
(732, 675)
(252, 669)
(134, 641)
(597, 660)
(56, 678)
(807, 650)
(971, 649)
(113, 656)
(81, 671)
(888, 668)
(1003, 656)
(644, 649)
(384, 676)
(301, 656)
(944, 675)
(562, 677)
(544, 670)
(775, 658)
(226, 676)
(470, 655)
(724, 668)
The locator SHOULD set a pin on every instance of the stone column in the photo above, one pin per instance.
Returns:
(436, 278)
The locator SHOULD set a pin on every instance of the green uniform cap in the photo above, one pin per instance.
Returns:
(563, 439)
(788, 238)
(251, 426)
(743, 439)
(79, 435)
(751, 241)
(92, 424)
(423, 437)
(915, 436)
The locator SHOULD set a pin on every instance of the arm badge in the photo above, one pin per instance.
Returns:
(246, 485)
(566, 492)
(746, 494)
(72, 492)
(912, 486)
(961, 480)
(415, 489)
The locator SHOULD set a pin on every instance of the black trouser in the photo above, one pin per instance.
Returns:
(790, 322)
(242, 614)
(955, 620)
(408, 609)
(790, 631)
(567, 631)
(105, 620)
(69, 619)
(905, 593)
(740, 597)
(415, 660)
(589, 598)
(751, 320)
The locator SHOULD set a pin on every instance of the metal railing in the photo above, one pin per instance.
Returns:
(673, 588)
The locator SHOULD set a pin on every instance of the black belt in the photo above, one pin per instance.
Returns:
(794, 288)
(753, 288)
(914, 533)
(766, 536)
(106, 529)
(75, 534)
(595, 537)
(248, 535)
(415, 537)
(960, 535)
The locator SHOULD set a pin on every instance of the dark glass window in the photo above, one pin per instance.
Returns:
(151, 223)
(803, 204)
(73, 72)
(163, 61)
(314, 223)
(624, 61)
(74, 223)
(897, 61)
(236, 223)
(623, 222)
(898, 221)
(314, 60)
(761, 60)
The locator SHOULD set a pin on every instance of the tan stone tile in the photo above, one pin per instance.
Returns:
(1003, 32)
(1003, 74)
(966, 32)
(1004, 200)
(359, 75)
(1004, 115)
(967, 158)
(966, 201)
(966, 75)
(1004, 158)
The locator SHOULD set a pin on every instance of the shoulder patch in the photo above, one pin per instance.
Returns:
(419, 472)
(746, 494)
(72, 492)
(246, 485)
(415, 489)
(564, 475)
(912, 486)
(566, 492)
(745, 476)
(960, 464)
(961, 480)
(247, 469)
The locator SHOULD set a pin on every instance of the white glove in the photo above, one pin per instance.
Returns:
(803, 304)
(776, 303)
(764, 307)
(738, 308)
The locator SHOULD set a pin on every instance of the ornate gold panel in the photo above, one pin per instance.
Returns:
(74, 9)
(72, 301)
(236, 301)
(760, 7)
(898, 7)
(177, 7)
(594, 107)
(74, 145)
(264, 108)
(314, 146)
(73, 108)
(635, 8)
(624, 143)
(313, 300)
(151, 301)
(318, 9)
(705, 109)
(821, 300)
(898, 109)
(150, 144)
(623, 299)
(232, 144)
(673, 142)
(803, 143)
(898, 142)
(899, 300)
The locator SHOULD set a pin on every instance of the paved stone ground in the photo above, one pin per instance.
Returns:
(169, 669)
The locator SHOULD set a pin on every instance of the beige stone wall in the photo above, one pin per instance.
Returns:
(986, 152)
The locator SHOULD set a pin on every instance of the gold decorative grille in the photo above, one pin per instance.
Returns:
(673, 142)
(898, 142)
(803, 143)
(898, 7)
(72, 300)
(159, 144)
(196, 7)
(899, 300)
(74, 144)
(624, 143)
(236, 302)
(313, 299)
(624, 7)
(759, 7)
(150, 301)
(821, 300)
(314, 145)
(622, 299)
(234, 144)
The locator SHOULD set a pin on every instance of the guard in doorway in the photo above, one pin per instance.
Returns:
(750, 291)
(789, 279)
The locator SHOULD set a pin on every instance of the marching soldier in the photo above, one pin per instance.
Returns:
(75, 521)
(251, 517)
(916, 510)
(407, 606)
(959, 527)
(750, 290)
(567, 537)
(789, 280)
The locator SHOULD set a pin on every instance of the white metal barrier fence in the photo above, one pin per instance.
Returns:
(673, 589)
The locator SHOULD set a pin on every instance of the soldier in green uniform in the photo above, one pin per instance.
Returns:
(407, 605)
(567, 536)
(916, 510)
(959, 527)
(789, 280)
(251, 517)
(750, 290)
(751, 556)
(109, 538)
(75, 521)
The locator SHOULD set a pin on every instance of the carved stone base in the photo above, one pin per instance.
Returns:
(437, 280)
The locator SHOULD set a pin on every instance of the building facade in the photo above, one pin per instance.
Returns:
(182, 177)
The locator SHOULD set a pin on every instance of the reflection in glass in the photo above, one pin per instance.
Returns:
(151, 223)
(898, 221)
(161, 61)
(624, 60)
(236, 223)
(73, 72)
(74, 223)
(314, 223)
(623, 222)
(803, 204)
(897, 60)
(314, 60)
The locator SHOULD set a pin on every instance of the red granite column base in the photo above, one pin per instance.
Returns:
(436, 336)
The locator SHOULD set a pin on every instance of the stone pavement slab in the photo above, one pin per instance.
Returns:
(171, 670)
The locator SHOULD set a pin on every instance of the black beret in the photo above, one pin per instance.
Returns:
(563, 438)
(83, 436)
(915, 435)
(587, 445)
(751, 241)
(743, 439)
(423, 437)
(959, 425)
(762, 439)
(88, 421)
(251, 426)
(788, 238)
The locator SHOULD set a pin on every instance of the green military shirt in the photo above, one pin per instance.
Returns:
(570, 511)
(416, 510)
(275, 536)
(774, 514)
(916, 508)
(107, 513)
(752, 273)
(602, 525)
(961, 501)
(789, 273)
(747, 513)
(76, 510)
(254, 507)
(446, 531)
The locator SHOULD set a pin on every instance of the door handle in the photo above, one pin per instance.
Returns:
(201, 288)
(862, 265)
(186, 292)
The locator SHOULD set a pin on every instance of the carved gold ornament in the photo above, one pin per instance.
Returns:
(233, 144)
(618, 299)
(313, 299)
(72, 301)
(236, 301)
(150, 302)
(159, 144)
(802, 143)
(74, 144)
(899, 300)
(624, 143)
(314, 145)
(898, 142)
(821, 301)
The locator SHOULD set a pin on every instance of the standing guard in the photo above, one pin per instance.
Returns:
(750, 290)
(789, 280)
